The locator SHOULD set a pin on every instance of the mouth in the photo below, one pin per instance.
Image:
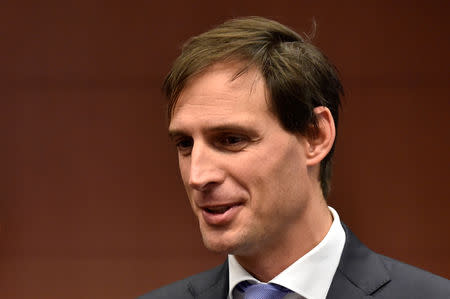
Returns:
(220, 215)
(217, 210)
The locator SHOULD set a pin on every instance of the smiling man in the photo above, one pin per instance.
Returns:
(253, 110)
(251, 183)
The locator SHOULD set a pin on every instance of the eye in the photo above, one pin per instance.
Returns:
(184, 145)
(232, 142)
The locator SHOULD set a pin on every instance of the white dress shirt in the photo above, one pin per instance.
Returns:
(310, 276)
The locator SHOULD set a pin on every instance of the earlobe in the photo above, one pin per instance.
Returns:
(321, 142)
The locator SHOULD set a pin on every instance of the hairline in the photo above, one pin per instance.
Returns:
(244, 66)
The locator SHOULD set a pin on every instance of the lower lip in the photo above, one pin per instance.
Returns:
(223, 218)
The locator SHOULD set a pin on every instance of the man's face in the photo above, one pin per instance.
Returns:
(245, 176)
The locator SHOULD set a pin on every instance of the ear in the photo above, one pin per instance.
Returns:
(320, 143)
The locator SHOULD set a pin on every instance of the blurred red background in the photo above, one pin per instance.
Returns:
(92, 205)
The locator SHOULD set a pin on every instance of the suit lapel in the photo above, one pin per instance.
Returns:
(360, 272)
(214, 284)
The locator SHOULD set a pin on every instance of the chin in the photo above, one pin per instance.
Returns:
(221, 241)
(221, 245)
(217, 245)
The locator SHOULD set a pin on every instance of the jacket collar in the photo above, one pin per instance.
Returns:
(361, 272)
(211, 284)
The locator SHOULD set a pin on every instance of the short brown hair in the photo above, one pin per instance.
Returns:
(297, 75)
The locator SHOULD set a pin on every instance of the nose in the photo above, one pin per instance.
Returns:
(205, 170)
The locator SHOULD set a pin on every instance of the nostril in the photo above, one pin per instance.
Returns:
(200, 185)
(206, 179)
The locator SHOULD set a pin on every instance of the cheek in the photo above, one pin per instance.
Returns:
(184, 168)
(245, 169)
(183, 165)
(276, 175)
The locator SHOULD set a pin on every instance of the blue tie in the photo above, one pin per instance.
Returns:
(262, 290)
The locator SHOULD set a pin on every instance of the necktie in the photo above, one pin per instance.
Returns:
(262, 290)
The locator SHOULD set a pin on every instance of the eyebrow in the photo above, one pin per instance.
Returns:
(176, 133)
(220, 128)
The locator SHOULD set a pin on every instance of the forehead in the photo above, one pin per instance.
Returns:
(218, 95)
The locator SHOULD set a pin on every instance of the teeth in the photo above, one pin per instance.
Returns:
(217, 210)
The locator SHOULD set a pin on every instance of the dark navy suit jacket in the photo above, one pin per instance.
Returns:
(361, 273)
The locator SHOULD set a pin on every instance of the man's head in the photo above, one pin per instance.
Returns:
(251, 117)
(297, 76)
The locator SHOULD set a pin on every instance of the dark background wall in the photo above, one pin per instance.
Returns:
(91, 204)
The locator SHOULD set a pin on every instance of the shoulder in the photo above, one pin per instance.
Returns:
(418, 283)
(365, 272)
(191, 285)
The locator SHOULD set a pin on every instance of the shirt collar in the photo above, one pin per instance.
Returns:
(309, 276)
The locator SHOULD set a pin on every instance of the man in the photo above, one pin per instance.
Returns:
(253, 110)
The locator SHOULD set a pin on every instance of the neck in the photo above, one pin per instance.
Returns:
(310, 230)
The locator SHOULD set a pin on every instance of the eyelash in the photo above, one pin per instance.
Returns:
(232, 140)
(227, 142)
(184, 143)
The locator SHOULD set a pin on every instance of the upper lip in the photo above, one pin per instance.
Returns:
(218, 205)
(216, 199)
